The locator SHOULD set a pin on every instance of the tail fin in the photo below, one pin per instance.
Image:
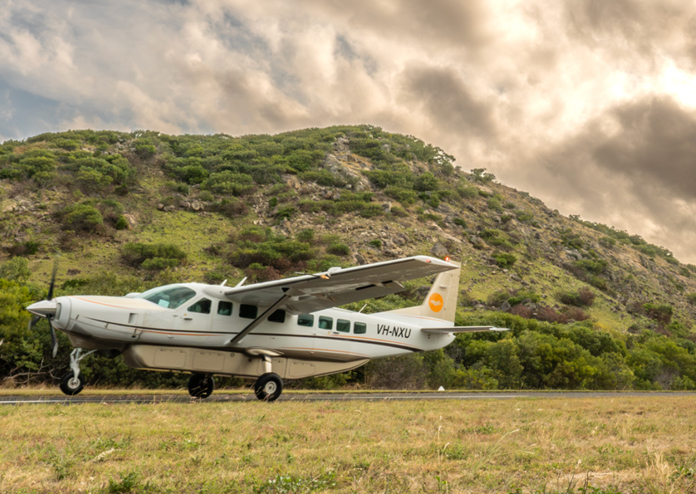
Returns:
(441, 302)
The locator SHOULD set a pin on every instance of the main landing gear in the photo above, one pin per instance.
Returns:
(201, 385)
(269, 386)
(72, 382)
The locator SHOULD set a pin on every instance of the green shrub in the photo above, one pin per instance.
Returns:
(482, 176)
(371, 210)
(519, 296)
(376, 243)
(230, 183)
(206, 196)
(582, 298)
(504, 259)
(459, 222)
(152, 256)
(81, 218)
(494, 205)
(593, 266)
(306, 235)
(467, 192)
(524, 216)
(661, 313)
(338, 249)
(403, 195)
(496, 238)
(607, 242)
(691, 298)
(273, 202)
(399, 212)
(571, 239)
(121, 223)
(16, 269)
(322, 177)
(285, 212)
(426, 182)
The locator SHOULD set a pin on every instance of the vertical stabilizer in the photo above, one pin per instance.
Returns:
(441, 301)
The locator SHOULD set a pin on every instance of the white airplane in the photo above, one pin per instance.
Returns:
(275, 330)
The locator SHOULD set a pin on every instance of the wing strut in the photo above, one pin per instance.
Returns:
(259, 320)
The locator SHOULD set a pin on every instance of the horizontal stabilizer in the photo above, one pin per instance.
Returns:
(462, 329)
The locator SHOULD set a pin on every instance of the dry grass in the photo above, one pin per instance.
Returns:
(626, 444)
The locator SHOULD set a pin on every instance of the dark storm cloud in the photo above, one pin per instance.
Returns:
(443, 22)
(655, 146)
(633, 167)
(638, 29)
(442, 95)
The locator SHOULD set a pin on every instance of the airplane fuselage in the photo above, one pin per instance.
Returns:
(209, 322)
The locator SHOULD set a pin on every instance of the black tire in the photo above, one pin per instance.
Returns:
(268, 387)
(201, 385)
(71, 385)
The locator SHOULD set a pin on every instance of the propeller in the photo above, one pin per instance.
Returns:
(49, 297)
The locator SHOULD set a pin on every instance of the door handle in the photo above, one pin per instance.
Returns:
(188, 319)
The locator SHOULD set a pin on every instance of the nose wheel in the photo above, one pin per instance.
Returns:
(268, 387)
(72, 382)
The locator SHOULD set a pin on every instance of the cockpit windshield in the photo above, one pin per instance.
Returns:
(169, 297)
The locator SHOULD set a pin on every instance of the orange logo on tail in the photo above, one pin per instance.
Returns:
(435, 302)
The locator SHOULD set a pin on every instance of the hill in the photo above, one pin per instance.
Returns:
(590, 306)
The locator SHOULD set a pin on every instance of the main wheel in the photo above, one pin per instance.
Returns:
(201, 385)
(268, 387)
(71, 385)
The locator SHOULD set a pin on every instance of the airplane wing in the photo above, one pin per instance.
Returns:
(336, 286)
(462, 329)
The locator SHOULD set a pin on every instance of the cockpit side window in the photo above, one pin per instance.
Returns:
(201, 307)
(225, 308)
(169, 297)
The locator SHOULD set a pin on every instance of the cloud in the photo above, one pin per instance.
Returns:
(632, 166)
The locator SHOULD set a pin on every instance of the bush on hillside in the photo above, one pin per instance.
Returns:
(81, 218)
(581, 298)
(153, 257)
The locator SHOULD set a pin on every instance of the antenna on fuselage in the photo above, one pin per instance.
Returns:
(241, 282)
(360, 311)
(223, 283)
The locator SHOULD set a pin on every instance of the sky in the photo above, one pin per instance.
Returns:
(589, 105)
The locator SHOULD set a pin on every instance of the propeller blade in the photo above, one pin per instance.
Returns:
(33, 321)
(53, 280)
(54, 339)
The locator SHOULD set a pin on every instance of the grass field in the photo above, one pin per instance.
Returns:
(612, 445)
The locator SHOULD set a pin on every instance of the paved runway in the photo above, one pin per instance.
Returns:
(236, 397)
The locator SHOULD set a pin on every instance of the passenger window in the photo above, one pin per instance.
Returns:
(305, 320)
(343, 326)
(359, 328)
(225, 308)
(325, 322)
(201, 307)
(277, 316)
(248, 311)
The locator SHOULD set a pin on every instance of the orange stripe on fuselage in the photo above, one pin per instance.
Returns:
(116, 306)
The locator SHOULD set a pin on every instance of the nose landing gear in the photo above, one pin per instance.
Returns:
(72, 381)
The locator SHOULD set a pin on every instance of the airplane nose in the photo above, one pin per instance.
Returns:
(43, 308)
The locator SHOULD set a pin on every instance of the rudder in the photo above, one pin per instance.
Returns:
(441, 301)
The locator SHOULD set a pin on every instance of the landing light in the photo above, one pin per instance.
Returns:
(446, 258)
